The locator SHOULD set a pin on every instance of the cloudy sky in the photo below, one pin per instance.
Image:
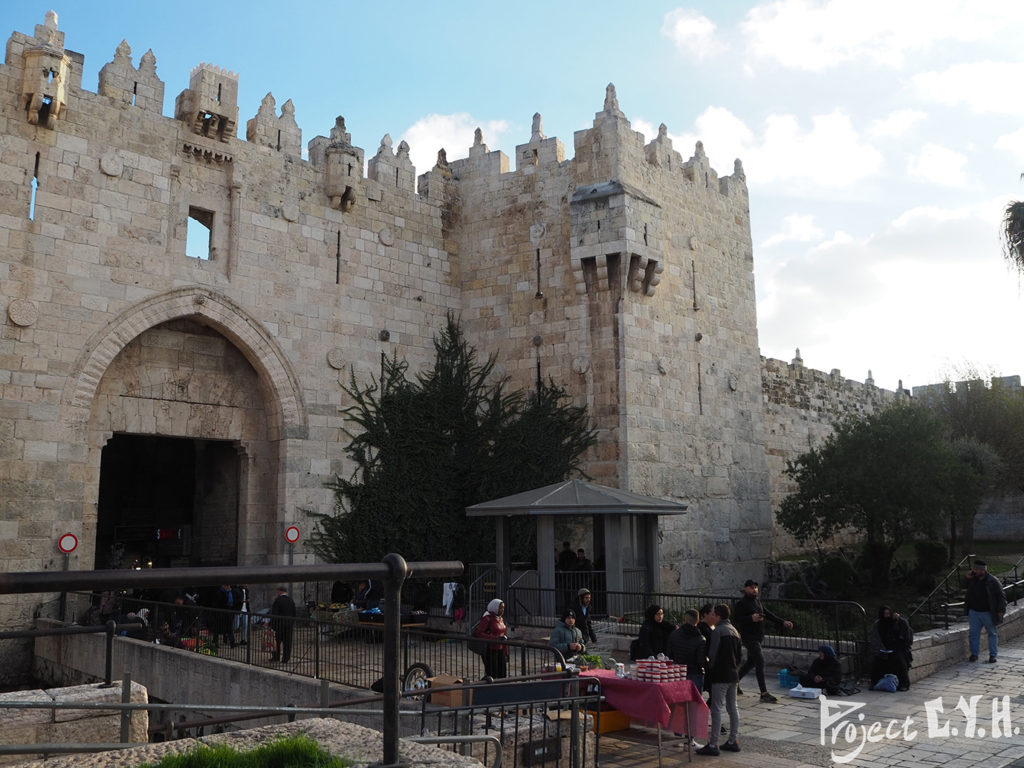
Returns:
(881, 140)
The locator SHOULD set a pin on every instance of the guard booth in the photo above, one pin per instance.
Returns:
(624, 528)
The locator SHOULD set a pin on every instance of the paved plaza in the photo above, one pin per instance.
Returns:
(788, 734)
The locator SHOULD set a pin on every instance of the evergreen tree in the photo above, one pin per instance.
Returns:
(425, 448)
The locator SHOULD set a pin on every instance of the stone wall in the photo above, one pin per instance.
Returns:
(800, 407)
(70, 726)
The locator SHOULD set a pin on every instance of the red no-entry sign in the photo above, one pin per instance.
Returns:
(67, 543)
(292, 534)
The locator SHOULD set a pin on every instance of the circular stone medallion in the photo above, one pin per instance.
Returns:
(22, 312)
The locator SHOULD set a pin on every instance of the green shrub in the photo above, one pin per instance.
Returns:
(932, 556)
(292, 752)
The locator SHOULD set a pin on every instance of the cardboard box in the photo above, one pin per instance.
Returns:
(611, 720)
(454, 698)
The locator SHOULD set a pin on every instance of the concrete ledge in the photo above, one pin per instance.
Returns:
(361, 745)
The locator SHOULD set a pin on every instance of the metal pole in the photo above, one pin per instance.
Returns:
(398, 569)
(126, 698)
(111, 625)
(64, 595)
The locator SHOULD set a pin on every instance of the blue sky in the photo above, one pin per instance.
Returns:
(878, 139)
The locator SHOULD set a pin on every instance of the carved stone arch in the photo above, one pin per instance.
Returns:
(286, 409)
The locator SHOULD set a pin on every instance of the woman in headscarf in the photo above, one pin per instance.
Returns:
(654, 633)
(889, 642)
(492, 626)
(825, 671)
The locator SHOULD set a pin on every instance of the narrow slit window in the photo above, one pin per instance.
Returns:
(337, 261)
(540, 293)
(35, 188)
(135, 92)
(199, 244)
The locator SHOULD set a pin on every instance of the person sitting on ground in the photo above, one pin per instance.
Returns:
(889, 642)
(687, 646)
(566, 636)
(825, 672)
(654, 633)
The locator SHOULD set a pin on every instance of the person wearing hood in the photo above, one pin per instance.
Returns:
(492, 627)
(825, 672)
(687, 646)
(890, 641)
(566, 636)
(654, 633)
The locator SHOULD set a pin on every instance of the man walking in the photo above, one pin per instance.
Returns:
(283, 622)
(723, 660)
(986, 606)
(750, 616)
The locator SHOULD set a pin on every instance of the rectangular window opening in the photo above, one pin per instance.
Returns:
(199, 243)
(615, 273)
(35, 188)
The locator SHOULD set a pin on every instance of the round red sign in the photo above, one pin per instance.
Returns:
(292, 534)
(67, 543)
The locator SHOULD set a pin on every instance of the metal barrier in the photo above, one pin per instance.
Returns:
(841, 623)
(511, 711)
(392, 571)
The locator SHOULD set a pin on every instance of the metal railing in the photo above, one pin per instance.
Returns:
(392, 571)
(347, 653)
(492, 714)
(938, 602)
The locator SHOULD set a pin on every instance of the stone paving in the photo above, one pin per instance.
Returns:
(788, 734)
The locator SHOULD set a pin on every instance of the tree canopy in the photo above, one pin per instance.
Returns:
(886, 475)
(427, 447)
(1012, 231)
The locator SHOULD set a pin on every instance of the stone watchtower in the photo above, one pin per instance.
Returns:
(210, 103)
(626, 274)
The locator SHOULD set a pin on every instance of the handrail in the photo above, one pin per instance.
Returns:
(943, 585)
(393, 570)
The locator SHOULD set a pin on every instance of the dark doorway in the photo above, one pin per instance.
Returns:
(167, 501)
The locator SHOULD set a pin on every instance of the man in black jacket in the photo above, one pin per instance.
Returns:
(749, 616)
(686, 645)
(282, 620)
(582, 611)
(723, 658)
(986, 606)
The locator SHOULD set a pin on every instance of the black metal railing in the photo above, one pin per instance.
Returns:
(938, 605)
(392, 572)
(344, 647)
(492, 721)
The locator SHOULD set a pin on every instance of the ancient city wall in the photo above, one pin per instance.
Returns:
(800, 407)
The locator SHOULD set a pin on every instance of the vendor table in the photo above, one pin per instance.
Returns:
(677, 705)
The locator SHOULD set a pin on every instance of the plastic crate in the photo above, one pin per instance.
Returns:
(787, 680)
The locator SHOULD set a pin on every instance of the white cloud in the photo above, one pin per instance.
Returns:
(939, 165)
(1012, 143)
(896, 123)
(797, 227)
(900, 301)
(453, 133)
(830, 153)
(984, 86)
(692, 32)
(812, 35)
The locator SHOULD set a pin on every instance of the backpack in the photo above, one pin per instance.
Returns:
(477, 645)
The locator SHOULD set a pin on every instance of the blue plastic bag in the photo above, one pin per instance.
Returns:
(889, 683)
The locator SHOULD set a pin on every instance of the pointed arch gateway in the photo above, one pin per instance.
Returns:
(187, 406)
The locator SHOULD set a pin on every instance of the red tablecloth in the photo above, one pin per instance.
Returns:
(656, 702)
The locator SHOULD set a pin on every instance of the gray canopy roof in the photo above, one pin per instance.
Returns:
(575, 497)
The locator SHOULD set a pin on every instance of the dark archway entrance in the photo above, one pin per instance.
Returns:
(167, 501)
